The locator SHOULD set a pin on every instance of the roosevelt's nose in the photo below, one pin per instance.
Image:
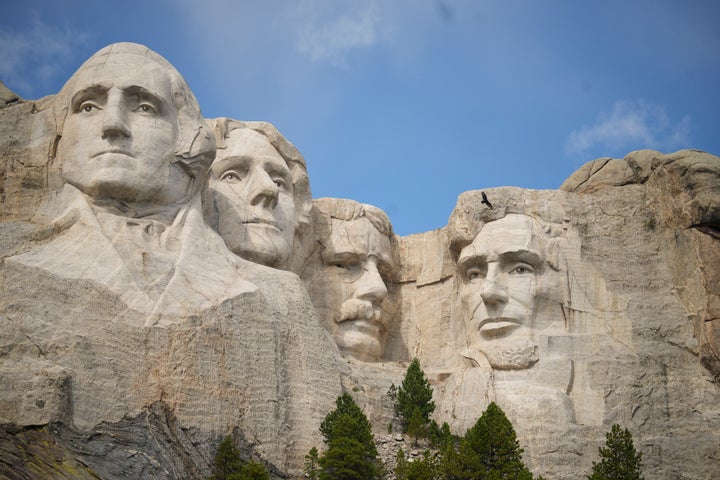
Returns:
(263, 190)
(371, 286)
(492, 291)
(115, 117)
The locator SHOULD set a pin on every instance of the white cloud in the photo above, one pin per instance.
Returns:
(632, 125)
(329, 39)
(30, 60)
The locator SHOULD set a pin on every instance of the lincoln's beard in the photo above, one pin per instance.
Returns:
(510, 354)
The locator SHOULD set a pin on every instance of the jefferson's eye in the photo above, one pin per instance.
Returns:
(280, 182)
(230, 176)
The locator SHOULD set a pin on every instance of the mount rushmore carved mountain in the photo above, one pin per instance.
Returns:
(168, 280)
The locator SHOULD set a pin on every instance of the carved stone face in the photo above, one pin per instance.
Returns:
(253, 194)
(351, 288)
(121, 132)
(499, 275)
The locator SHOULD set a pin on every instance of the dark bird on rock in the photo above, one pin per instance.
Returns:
(485, 200)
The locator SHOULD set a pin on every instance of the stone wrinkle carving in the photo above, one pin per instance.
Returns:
(258, 195)
(133, 151)
(351, 273)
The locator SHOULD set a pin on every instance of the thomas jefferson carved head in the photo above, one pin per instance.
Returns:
(258, 196)
(131, 131)
(349, 287)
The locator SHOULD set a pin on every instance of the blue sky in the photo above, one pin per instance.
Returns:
(405, 104)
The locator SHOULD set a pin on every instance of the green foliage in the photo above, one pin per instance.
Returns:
(254, 471)
(489, 450)
(346, 407)
(351, 453)
(312, 464)
(414, 398)
(440, 437)
(425, 468)
(618, 458)
(227, 460)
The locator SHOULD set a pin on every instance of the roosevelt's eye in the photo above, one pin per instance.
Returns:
(347, 265)
(522, 269)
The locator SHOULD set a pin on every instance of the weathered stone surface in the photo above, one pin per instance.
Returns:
(132, 339)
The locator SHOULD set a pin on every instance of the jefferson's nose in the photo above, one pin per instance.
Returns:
(263, 190)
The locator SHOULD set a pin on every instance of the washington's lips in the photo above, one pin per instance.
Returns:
(261, 221)
(113, 151)
(497, 325)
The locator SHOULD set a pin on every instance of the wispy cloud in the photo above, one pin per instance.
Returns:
(31, 59)
(330, 39)
(631, 125)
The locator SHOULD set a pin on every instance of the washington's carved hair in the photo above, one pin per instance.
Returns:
(294, 160)
(195, 148)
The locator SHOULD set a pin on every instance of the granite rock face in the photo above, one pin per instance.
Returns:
(140, 324)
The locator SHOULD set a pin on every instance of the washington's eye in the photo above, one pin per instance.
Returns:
(88, 107)
(522, 269)
(146, 108)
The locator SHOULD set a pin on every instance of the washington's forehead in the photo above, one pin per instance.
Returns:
(150, 76)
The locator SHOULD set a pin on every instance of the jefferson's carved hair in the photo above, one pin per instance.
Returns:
(195, 148)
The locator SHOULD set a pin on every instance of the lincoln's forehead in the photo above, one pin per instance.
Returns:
(512, 233)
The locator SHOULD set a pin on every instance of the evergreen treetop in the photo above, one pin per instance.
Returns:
(414, 397)
(618, 458)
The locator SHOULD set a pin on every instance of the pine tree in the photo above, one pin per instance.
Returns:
(619, 460)
(489, 450)
(254, 471)
(425, 468)
(312, 464)
(227, 460)
(351, 452)
(414, 398)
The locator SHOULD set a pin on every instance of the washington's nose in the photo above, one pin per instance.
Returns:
(115, 121)
(371, 286)
(263, 190)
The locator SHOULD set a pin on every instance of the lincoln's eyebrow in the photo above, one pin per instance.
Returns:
(330, 256)
(526, 256)
(89, 92)
(469, 260)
